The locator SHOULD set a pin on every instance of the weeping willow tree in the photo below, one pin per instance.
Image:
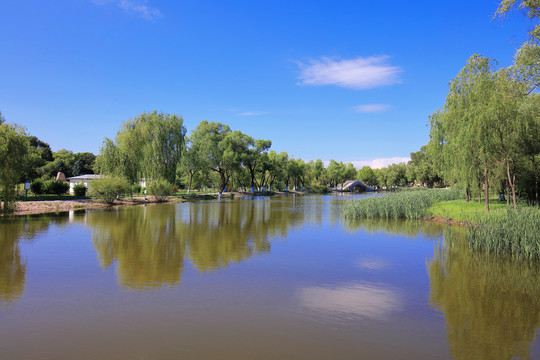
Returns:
(148, 146)
(13, 152)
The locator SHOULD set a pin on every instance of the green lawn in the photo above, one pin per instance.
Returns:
(460, 210)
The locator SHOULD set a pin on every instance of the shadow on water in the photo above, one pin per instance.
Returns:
(12, 264)
(491, 305)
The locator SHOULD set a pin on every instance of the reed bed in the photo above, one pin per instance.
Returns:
(399, 205)
(514, 233)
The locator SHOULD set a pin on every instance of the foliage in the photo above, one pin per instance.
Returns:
(56, 187)
(512, 233)
(84, 163)
(319, 188)
(368, 176)
(148, 146)
(79, 190)
(37, 186)
(136, 189)
(109, 188)
(160, 189)
(400, 205)
(219, 149)
(14, 150)
(460, 210)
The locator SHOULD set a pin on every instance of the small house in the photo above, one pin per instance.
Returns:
(85, 180)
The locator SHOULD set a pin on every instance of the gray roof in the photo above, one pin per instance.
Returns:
(350, 184)
(84, 177)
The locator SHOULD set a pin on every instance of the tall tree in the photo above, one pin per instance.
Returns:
(462, 132)
(14, 149)
(149, 146)
(254, 156)
(368, 176)
(220, 149)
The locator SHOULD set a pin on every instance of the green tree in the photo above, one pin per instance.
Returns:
(149, 146)
(462, 132)
(219, 149)
(14, 149)
(368, 176)
(84, 164)
(253, 157)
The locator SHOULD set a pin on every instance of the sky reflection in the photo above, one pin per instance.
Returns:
(370, 300)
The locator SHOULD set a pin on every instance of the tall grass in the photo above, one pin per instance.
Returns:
(399, 205)
(515, 233)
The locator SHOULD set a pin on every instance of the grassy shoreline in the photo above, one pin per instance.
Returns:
(502, 231)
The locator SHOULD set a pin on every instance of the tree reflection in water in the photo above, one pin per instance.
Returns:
(150, 243)
(408, 228)
(491, 306)
(12, 265)
(147, 242)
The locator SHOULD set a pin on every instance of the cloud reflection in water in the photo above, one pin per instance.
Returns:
(368, 300)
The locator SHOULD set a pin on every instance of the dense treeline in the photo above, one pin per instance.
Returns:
(155, 147)
(485, 139)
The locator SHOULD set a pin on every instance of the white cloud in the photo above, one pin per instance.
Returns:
(371, 108)
(366, 300)
(375, 163)
(358, 73)
(251, 113)
(380, 163)
(138, 7)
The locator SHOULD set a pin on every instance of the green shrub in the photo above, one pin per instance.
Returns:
(136, 189)
(109, 188)
(319, 188)
(56, 187)
(37, 186)
(160, 189)
(79, 190)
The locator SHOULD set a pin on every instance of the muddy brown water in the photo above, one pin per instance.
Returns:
(264, 278)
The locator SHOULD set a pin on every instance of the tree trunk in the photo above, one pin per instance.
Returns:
(467, 193)
(535, 166)
(479, 192)
(486, 185)
(190, 179)
(511, 182)
(507, 194)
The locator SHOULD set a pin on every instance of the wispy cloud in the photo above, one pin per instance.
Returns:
(251, 113)
(371, 108)
(380, 163)
(137, 7)
(358, 73)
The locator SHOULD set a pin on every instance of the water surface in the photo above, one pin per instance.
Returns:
(266, 278)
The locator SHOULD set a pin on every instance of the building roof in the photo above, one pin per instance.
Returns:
(351, 184)
(84, 177)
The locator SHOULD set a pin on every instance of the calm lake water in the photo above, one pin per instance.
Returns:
(267, 278)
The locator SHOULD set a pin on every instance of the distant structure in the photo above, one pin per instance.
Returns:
(60, 177)
(356, 185)
(85, 180)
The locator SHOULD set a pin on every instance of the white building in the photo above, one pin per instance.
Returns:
(85, 180)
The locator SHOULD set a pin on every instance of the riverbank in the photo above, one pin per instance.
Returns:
(501, 231)
(55, 206)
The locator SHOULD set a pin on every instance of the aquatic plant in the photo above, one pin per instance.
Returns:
(399, 205)
(514, 232)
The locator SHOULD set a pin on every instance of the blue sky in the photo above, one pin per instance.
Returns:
(353, 81)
